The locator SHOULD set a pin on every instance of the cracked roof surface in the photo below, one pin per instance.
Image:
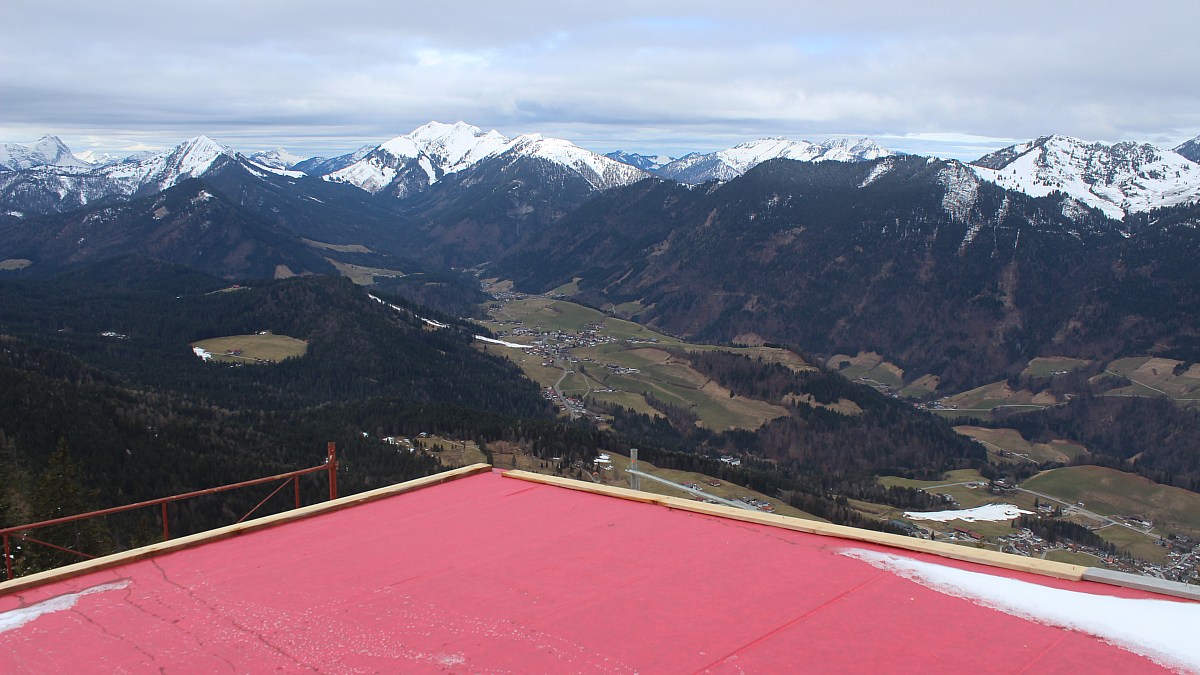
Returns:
(486, 574)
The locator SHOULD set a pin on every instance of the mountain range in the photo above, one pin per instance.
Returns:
(960, 270)
(1116, 178)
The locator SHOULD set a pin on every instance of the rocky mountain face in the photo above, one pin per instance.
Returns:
(190, 223)
(1118, 179)
(320, 166)
(732, 162)
(650, 163)
(276, 158)
(919, 259)
(411, 163)
(58, 189)
(472, 217)
(1190, 149)
(954, 269)
(449, 191)
(46, 151)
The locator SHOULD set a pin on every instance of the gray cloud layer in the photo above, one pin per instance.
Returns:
(955, 78)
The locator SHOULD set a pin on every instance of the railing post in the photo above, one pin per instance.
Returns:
(166, 529)
(332, 464)
(296, 487)
(7, 559)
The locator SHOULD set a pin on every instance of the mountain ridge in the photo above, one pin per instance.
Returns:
(1118, 178)
(411, 163)
(921, 260)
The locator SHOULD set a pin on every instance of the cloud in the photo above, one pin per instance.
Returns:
(667, 76)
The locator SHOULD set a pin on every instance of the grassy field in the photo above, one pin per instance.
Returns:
(990, 396)
(15, 264)
(505, 456)
(1012, 441)
(567, 289)
(254, 348)
(956, 484)
(363, 276)
(725, 490)
(921, 387)
(868, 366)
(627, 308)
(530, 364)
(1116, 493)
(1073, 557)
(663, 375)
(1156, 377)
(1137, 544)
(1050, 365)
(626, 399)
(344, 248)
(454, 453)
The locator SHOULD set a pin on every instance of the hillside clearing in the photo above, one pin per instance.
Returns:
(1043, 366)
(262, 348)
(1011, 441)
(15, 264)
(1115, 493)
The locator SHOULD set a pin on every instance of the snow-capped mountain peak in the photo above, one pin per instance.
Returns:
(277, 158)
(456, 146)
(409, 163)
(46, 151)
(733, 162)
(643, 162)
(192, 157)
(65, 187)
(599, 171)
(450, 147)
(853, 150)
(420, 158)
(95, 159)
(744, 156)
(1117, 178)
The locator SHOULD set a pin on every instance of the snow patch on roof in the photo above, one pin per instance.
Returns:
(15, 618)
(1162, 630)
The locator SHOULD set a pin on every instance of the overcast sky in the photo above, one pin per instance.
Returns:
(955, 79)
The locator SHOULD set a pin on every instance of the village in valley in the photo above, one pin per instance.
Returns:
(582, 357)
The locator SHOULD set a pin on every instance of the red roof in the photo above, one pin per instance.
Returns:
(488, 573)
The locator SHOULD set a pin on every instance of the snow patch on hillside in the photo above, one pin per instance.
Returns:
(962, 189)
(990, 512)
(1118, 178)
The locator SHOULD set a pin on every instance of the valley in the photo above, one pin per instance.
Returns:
(826, 330)
(1134, 525)
(580, 356)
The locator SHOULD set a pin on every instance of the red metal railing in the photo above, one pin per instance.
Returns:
(20, 531)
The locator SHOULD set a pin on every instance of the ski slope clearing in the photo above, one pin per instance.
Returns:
(990, 512)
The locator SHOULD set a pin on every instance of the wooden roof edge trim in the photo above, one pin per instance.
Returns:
(171, 545)
(1008, 561)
